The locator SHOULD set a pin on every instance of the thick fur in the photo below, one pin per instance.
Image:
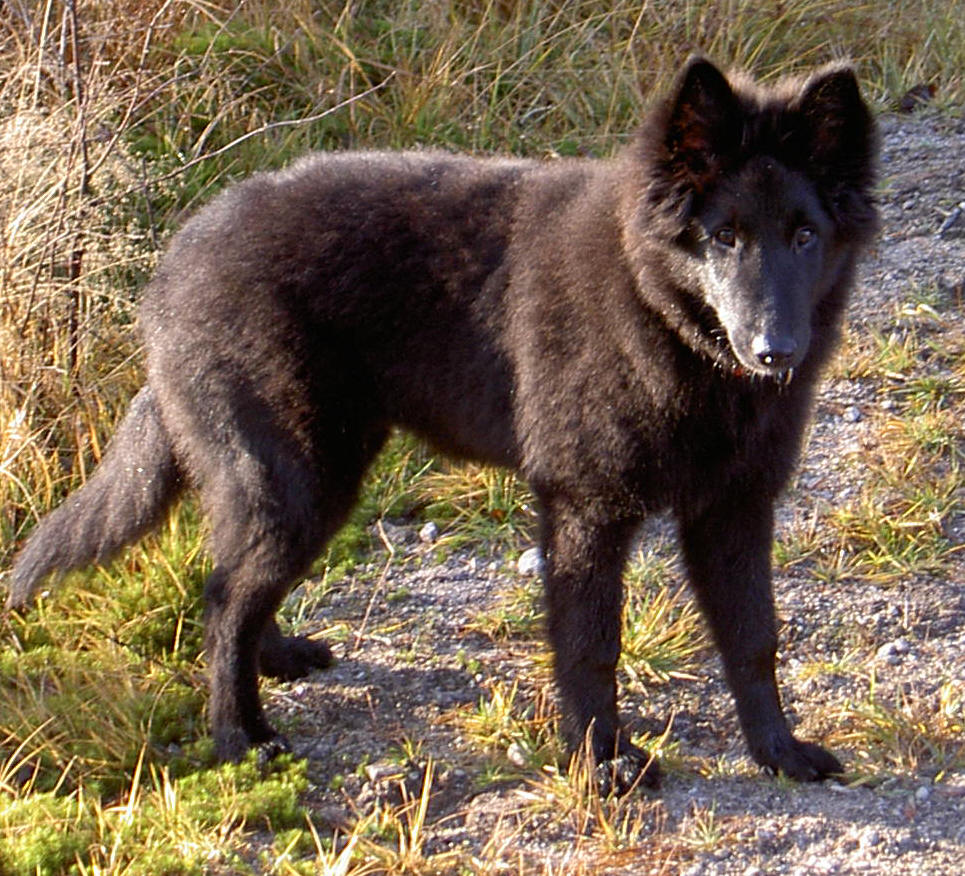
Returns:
(633, 335)
(127, 496)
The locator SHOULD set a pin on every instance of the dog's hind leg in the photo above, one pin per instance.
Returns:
(270, 517)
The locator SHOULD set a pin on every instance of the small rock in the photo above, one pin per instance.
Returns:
(380, 772)
(429, 533)
(917, 96)
(887, 654)
(766, 837)
(892, 652)
(923, 793)
(530, 562)
(852, 414)
(333, 817)
(907, 843)
(516, 754)
(394, 534)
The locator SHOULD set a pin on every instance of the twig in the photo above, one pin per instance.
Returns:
(377, 589)
(135, 101)
(76, 258)
(271, 126)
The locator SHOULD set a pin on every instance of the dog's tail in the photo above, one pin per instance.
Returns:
(129, 492)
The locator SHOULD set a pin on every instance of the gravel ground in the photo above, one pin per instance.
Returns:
(412, 653)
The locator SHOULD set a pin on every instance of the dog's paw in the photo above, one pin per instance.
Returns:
(802, 761)
(631, 769)
(267, 751)
(232, 746)
(290, 657)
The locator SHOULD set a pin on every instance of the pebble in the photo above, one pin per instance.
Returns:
(530, 562)
(516, 755)
(379, 772)
(429, 533)
(395, 535)
(766, 836)
(892, 652)
(852, 414)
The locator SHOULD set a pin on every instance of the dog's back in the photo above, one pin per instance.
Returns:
(387, 271)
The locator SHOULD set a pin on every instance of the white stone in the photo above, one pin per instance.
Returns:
(530, 562)
(516, 754)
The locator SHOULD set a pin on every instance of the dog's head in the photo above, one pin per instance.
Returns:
(761, 196)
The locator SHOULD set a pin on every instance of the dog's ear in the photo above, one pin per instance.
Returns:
(702, 126)
(839, 132)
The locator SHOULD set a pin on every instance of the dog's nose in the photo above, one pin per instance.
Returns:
(775, 351)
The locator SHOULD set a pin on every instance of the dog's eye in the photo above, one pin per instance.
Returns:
(804, 237)
(725, 236)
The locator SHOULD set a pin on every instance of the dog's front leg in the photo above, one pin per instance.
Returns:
(584, 595)
(727, 549)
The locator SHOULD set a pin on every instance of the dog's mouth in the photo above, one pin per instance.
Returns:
(784, 377)
(759, 358)
(752, 355)
(766, 358)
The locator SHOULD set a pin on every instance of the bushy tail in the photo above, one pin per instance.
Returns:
(135, 483)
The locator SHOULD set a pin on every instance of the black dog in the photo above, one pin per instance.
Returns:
(632, 335)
